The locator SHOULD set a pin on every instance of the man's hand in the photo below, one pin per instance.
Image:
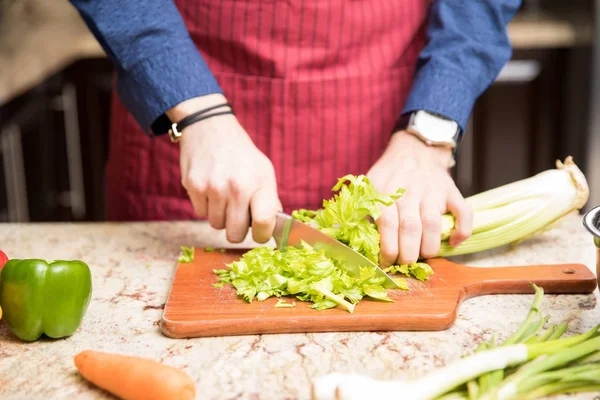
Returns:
(226, 176)
(412, 227)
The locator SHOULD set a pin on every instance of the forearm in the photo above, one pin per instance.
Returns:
(467, 47)
(157, 64)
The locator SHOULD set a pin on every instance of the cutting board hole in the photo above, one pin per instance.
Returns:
(568, 271)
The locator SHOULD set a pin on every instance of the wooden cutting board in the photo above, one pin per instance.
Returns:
(195, 308)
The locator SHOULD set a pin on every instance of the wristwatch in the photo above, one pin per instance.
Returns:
(434, 129)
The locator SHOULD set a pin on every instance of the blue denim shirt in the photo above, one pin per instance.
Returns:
(158, 65)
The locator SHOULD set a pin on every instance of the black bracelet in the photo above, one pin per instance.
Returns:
(177, 128)
(190, 119)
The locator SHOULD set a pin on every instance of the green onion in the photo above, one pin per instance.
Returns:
(527, 365)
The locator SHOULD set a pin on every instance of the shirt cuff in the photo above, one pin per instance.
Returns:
(160, 82)
(439, 90)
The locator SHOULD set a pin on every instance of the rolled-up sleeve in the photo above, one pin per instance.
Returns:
(157, 64)
(467, 46)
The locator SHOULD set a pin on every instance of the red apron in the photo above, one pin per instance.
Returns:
(318, 85)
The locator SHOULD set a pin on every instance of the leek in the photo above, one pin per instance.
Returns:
(517, 211)
(527, 365)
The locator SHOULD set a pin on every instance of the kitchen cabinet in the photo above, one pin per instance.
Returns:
(53, 145)
(535, 113)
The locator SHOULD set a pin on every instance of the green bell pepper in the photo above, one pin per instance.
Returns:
(39, 297)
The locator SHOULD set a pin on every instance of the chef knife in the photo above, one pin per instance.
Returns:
(291, 232)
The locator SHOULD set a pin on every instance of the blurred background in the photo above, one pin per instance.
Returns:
(55, 84)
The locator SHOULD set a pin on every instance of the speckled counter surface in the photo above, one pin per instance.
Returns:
(133, 264)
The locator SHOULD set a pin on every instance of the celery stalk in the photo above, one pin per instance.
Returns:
(519, 210)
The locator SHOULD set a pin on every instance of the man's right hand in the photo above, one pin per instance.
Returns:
(226, 176)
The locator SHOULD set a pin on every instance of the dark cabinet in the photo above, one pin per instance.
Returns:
(53, 147)
(535, 113)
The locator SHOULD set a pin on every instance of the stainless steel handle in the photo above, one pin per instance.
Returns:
(519, 71)
(67, 103)
(14, 173)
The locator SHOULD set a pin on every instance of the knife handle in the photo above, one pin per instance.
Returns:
(279, 213)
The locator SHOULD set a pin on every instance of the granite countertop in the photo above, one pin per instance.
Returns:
(132, 267)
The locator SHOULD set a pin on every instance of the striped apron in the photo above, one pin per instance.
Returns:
(317, 84)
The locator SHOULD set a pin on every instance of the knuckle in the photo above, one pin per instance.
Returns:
(216, 188)
(387, 220)
(431, 221)
(388, 254)
(462, 233)
(268, 169)
(410, 225)
(386, 223)
(238, 187)
(199, 210)
(194, 184)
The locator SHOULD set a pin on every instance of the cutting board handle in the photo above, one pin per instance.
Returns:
(556, 279)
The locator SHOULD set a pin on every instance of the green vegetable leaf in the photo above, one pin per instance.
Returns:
(187, 254)
(311, 276)
(418, 270)
(349, 215)
(282, 304)
(308, 274)
(401, 283)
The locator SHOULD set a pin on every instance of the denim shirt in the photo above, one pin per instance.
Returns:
(158, 65)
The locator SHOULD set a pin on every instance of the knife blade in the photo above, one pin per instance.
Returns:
(291, 232)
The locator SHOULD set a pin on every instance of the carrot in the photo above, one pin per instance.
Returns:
(134, 378)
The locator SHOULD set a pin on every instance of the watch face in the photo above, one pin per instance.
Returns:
(434, 128)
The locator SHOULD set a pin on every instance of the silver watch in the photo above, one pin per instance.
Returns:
(434, 129)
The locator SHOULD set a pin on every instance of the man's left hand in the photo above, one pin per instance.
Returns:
(412, 227)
